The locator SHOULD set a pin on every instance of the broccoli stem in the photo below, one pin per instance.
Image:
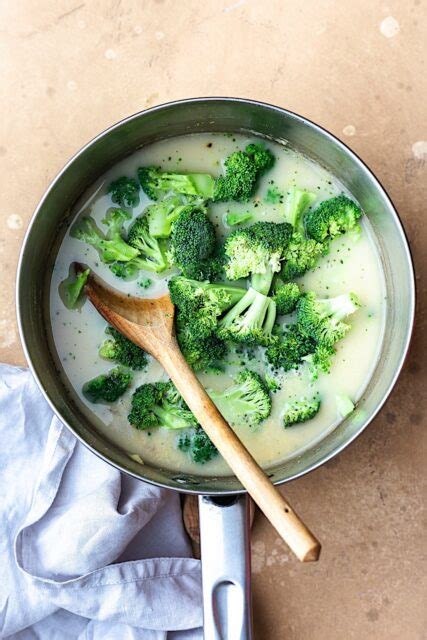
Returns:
(162, 214)
(339, 307)
(344, 404)
(235, 218)
(271, 317)
(261, 282)
(172, 418)
(71, 289)
(296, 204)
(243, 304)
(258, 311)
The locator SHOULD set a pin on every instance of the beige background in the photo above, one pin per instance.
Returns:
(70, 68)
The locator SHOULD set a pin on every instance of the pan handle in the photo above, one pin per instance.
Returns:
(226, 567)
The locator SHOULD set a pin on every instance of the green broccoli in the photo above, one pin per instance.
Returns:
(158, 404)
(236, 218)
(331, 218)
(124, 192)
(286, 297)
(193, 243)
(157, 184)
(114, 220)
(257, 251)
(344, 404)
(162, 214)
(121, 350)
(242, 169)
(198, 445)
(201, 303)
(108, 387)
(296, 204)
(110, 249)
(152, 252)
(262, 157)
(301, 256)
(322, 319)
(250, 321)
(272, 383)
(320, 360)
(239, 179)
(123, 258)
(247, 401)
(71, 289)
(300, 411)
(289, 350)
(201, 349)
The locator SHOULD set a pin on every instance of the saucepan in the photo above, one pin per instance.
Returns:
(223, 504)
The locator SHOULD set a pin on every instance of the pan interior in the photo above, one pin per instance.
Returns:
(52, 217)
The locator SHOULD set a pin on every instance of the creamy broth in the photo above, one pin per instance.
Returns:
(351, 265)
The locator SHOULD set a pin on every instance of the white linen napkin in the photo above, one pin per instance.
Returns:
(85, 552)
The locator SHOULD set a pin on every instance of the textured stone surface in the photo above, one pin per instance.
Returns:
(71, 68)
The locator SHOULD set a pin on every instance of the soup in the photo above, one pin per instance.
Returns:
(352, 264)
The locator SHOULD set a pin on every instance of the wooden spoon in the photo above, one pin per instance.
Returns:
(149, 323)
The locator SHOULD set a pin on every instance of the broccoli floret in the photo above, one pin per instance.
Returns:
(296, 204)
(301, 256)
(288, 351)
(201, 303)
(192, 243)
(319, 325)
(257, 251)
(286, 297)
(158, 404)
(239, 179)
(320, 360)
(71, 289)
(302, 253)
(157, 184)
(110, 249)
(198, 445)
(261, 156)
(300, 411)
(250, 321)
(345, 405)
(121, 350)
(247, 401)
(162, 214)
(152, 252)
(236, 218)
(242, 168)
(108, 387)
(331, 218)
(124, 192)
(201, 349)
(114, 220)
(322, 319)
(272, 384)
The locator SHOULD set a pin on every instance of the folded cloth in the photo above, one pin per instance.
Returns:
(85, 552)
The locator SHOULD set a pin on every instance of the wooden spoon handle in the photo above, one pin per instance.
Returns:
(281, 515)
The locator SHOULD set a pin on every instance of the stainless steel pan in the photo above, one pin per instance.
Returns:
(224, 520)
